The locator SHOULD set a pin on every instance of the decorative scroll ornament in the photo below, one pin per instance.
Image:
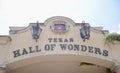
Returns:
(36, 31)
(85, 31)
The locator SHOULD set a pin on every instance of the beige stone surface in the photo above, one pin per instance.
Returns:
(56, 60)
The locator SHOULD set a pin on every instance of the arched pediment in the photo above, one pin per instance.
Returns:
(59, 18)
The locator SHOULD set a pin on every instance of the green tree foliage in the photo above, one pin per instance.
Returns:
(110, 38)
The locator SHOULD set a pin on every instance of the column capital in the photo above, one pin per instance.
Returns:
(2, 70)
(116, 67)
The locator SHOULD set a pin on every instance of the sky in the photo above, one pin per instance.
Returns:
(99, 13)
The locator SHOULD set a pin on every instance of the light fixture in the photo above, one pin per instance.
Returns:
(36, 31)
(85, 31)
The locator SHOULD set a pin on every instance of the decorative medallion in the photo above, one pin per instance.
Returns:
(59, 27)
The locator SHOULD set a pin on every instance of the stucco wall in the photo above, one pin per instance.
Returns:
(21, 41)
(4, 49)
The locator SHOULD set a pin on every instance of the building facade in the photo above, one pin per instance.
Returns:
(59, 45)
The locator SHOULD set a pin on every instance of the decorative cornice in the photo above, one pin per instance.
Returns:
(15, 30)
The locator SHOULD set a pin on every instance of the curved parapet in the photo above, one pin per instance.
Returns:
(59, 19)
